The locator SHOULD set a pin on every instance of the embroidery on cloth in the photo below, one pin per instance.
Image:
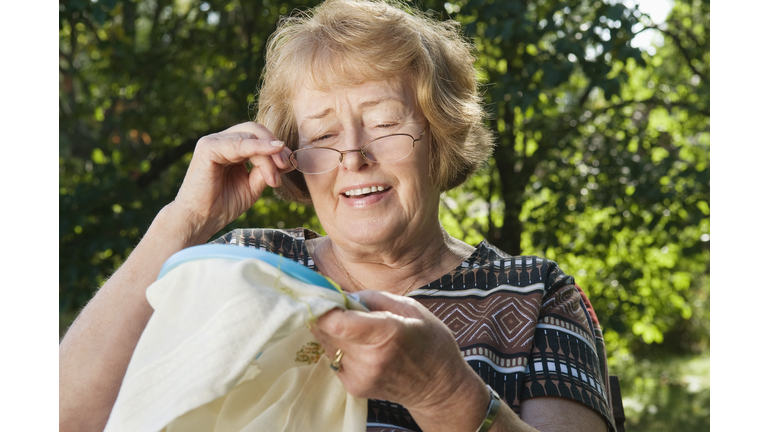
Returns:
(310, 353)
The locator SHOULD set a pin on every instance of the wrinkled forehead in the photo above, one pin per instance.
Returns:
(369, 100)
(326, 86)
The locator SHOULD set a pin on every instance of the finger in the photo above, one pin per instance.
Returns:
(384, 301)
(345, 327)
(324, 326)
(255, 129)
(256, 181)
(261, 132)
(325, 341)
(234, 148)
(267, 170)
(270, 174)
(281, 160)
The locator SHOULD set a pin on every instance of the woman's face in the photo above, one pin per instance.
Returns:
(346, 118)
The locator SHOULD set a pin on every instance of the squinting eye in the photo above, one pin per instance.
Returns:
(322, 138)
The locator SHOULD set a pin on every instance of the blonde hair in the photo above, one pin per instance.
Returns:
(348, 42)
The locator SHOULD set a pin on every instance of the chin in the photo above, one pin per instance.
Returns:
(370, 231)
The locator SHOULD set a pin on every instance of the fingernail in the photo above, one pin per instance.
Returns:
(277, 143)
(278, 180)
(284, 158)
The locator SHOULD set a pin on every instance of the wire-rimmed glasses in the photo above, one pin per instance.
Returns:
(388, 148)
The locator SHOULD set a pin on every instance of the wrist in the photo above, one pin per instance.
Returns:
(186, 229)
(492, 411)
(461, 408)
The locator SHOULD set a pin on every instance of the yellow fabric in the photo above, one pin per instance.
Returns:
(196, 367)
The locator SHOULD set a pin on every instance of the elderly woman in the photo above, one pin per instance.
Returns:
(368, 112)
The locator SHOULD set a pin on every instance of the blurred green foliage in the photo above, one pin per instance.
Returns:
(667, 393)
(602, 161)
(140, 83)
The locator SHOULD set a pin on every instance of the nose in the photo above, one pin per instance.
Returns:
(353, 160)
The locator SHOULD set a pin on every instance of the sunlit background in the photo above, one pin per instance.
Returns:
(602, 164)
(657, 11)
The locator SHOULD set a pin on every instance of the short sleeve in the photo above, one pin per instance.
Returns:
(568, 354)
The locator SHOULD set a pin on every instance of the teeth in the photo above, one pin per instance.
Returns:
(363, 191)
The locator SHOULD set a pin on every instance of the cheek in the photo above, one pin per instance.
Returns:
(320, 189)
(419, 191)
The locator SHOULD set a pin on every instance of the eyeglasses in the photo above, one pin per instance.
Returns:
(319, 160)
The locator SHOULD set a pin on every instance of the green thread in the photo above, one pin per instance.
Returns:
(338, 288)
(289, 292)
(279, 271)
(283, 289)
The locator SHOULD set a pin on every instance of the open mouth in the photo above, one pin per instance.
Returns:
(366, 191)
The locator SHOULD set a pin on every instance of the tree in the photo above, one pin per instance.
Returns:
(602, 161)
(140, 83)
(603, 155)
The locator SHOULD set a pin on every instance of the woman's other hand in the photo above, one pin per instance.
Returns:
(218, 187)
(401, 352)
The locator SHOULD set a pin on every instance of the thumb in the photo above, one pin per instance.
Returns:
(386, 302)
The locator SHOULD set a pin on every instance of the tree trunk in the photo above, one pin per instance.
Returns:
(512, 186)
(511, 232)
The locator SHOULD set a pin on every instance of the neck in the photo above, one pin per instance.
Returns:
(396, 273)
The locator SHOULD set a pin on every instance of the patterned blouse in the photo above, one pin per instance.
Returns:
(523, 325)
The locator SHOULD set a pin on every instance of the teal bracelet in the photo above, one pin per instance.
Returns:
(493, 408)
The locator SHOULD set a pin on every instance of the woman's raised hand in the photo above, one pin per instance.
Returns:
(218, 188)
(401, 352)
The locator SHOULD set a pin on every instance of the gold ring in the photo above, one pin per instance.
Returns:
(336, 363)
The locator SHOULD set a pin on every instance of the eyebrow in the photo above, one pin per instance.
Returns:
(367, 104)
(321, 115)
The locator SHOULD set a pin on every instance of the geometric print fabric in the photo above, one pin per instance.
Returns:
(520, 322)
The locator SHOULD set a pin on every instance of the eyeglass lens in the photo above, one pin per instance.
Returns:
(318, 160)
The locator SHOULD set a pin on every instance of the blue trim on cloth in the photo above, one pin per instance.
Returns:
(218, 251)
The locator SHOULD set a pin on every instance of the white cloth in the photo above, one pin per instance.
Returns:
(195, 367)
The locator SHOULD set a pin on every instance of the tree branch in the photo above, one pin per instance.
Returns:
(584, 97)
(155, 21)
(688, 33)
(683, 51)
(180, 21)
(93, 29)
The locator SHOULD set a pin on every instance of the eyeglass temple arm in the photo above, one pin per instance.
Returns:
(421, 135)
